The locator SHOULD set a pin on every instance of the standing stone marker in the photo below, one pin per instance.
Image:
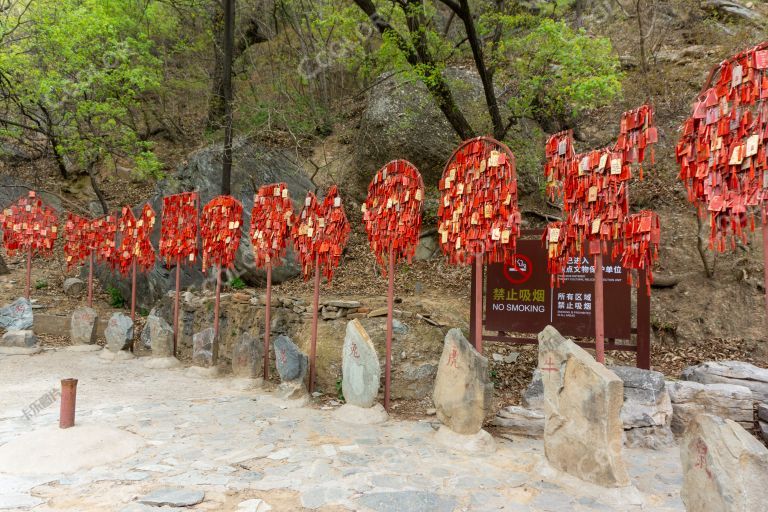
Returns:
(582, 408)
(82, 327)
(292, 367)
(725, 469)
(463, 390)
(119, 332)
(247, 357)
(360, 367)
(160, 336)
(17, 316)
(202, 347)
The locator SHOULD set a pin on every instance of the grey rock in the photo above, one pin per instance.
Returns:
(724, 400)
(119, 332)
(202, 347)
(399, 327)
(427, 249)
(74, 287)
(248, 357)
(762, 412)
(17, 315)
(463, 390)
(731, 372)
(725, 469)
(732, 9)
(407, 500)
(417, 380)
(520, 421)
(160, 336)
(647, 407)
(291, 363)
(360, 367)
(15, 338)
(344, 304)
(763, 426)
(582, 406)
(174, 497)
(533, 397)
(254, 165)
(82, 327)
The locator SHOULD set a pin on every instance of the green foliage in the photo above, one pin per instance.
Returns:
(237, 283)
(560, 72)
(41, 284)
(78, 71)
(116, 299)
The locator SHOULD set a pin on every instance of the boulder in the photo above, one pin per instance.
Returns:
(690, 399)
(292, 365)
(202, 347)
(248, 357)
(360, 367)
(582, 406)
(119, 332)
(414, 355)
(725, 469)
(17, 315)
(647, 409)
(520, 421)
(83, 326)
(19, 338)
(533, 396)
(254, 165)
(160, 336)
(74, 287)
(731, 372)
(731, 9)
(463, 390)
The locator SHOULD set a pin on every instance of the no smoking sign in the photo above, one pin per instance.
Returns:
(520, 270)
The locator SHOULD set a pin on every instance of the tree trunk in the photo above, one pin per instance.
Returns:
(229, 37)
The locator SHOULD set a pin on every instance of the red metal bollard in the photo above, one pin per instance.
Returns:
(68, 399)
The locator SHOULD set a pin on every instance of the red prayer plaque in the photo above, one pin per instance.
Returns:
(392, 212)
(722, 150)
(178, 229)
(104, 230)
(134, 242)
(77, 231)
(220, 231)
(29, 226)
(321, 231)
(478, 207)
(593, 186)
(271, 220)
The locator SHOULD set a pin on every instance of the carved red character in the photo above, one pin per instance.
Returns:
(271, 220)
(220, 225)
(392, 212)
(478, 207)
(178, 228)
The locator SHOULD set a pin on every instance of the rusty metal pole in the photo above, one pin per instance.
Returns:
(390, 314)
(133, 289)
(176, 302)
(29, 273)
(216, 304)
(68, 399)
(267, 320)
(313, 343)
(599, 308)
(478, 302)
(90, 279)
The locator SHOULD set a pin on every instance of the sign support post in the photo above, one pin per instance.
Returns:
(315, 307)
(599, 311)
(267, 321)
(390, 313)
(176, 301)
(477, 278)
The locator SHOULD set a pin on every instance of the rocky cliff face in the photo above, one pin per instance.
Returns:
(253, 166)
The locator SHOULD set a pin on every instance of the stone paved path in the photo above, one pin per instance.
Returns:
(203, 435)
